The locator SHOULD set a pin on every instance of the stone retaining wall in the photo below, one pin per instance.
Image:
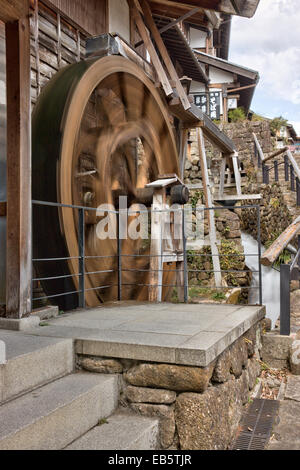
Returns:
(241, 135)
(275, 215)
(198, 408)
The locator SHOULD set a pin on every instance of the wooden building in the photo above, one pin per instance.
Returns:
(37, 39)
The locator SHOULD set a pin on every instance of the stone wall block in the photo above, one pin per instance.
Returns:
(294, 357)
(254, 370)
(166, 420)
(100, 365)
(208, 421)
(149, 395)
(170, 377)
(276, 350)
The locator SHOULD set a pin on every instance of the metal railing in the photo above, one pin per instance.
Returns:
(288, 272)
(119, 258)
(291, 169)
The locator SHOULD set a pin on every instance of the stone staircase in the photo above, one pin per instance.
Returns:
(45, 404)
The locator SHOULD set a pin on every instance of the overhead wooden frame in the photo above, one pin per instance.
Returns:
(164, 54)
(12, 10)
(144, 33)
(233, 7)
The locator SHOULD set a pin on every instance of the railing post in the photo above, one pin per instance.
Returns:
(265, 172)
(298, 191)
(276, 176)
(285, 314)
(286, 168)
(81, 250)
(185, 265)
(292, 178)
(119, 256)
(259, 161)
(255, 152)
(259, 254)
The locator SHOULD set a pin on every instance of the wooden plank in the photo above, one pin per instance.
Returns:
(277, 153)
(294, 163)
(271, 254)
(211, 213)
(164, 53)
(91, 15)
(36, 45)
(18, 276)
(222, 178)
(134, 6)
(226, 66)
(233, 90)
(259, 149)
(241, 197)
(237, 174)
(3, 209)
(58, 41)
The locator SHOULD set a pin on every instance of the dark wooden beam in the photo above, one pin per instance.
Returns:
(12, 10)
(18, 274)
(2, 209)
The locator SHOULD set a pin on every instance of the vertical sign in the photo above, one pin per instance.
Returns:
(211, 108)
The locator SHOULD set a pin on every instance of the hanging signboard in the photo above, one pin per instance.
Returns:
(209, 103)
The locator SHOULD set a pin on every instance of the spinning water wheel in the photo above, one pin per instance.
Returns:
(100, 129)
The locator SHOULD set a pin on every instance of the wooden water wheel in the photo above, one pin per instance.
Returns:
(100, 129)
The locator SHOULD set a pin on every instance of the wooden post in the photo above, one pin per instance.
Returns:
(18, 275)
(222, 177)
(156, 251)
(208, 200)
(237, 174)
(183, 150)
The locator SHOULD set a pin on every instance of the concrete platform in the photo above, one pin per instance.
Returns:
(190, 334)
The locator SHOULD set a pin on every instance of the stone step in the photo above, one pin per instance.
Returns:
(121, 431)
(53, 416)
(33, 362)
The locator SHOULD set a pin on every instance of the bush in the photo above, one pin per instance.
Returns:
(277, 123)
(236, 115)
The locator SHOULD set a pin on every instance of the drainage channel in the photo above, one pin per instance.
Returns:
(257, 425)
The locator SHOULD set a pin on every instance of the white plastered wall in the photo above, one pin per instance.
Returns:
(220, 76)
(119, 19)
(197, 38)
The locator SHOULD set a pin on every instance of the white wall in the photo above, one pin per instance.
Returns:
(197, 38)
(220, 76)
(197, 87)
(119, 20)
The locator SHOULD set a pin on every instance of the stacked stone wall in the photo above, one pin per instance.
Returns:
(198, 408)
